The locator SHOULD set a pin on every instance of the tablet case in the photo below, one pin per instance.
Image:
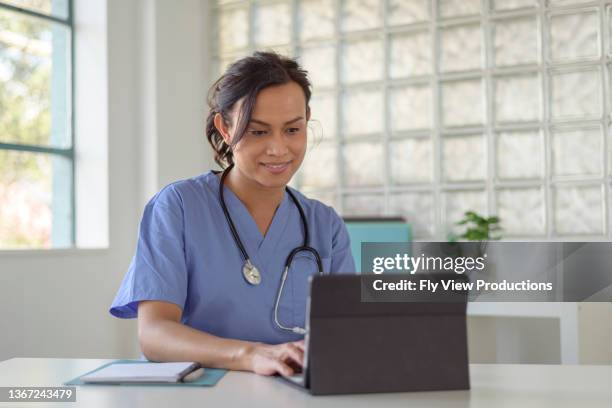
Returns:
(366, 347)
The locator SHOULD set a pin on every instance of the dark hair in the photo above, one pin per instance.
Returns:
(244, 79)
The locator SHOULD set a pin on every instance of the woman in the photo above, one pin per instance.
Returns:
(205, 279)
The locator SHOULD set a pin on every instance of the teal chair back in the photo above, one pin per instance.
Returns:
(389, 229)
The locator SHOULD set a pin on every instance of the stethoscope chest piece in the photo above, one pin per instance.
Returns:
(251, 274)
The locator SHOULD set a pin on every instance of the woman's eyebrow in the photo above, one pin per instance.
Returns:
(267, 124)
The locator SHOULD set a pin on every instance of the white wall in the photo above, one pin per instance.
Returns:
(55, 303)
(174, 72)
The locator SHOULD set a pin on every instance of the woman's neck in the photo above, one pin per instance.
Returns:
(257, 199)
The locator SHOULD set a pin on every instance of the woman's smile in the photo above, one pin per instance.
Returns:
(277, 168)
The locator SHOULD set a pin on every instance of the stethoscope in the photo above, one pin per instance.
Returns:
(250, 272)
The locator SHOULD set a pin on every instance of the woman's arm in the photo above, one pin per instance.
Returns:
(163, 337)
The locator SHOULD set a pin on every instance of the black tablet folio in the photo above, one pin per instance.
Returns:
(353, 346)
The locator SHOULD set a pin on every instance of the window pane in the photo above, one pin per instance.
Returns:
(233, 28)
(316, 19)
(57, 8)
(363, 205)
(515, 41)
(319, 166)
(323, 117)
(454, 8)
(320, 62)
(517, 98)
(272, 23)
(576, 95)
(362, 112)
(456, 203)
(35, 205)
(362, 60)
(463, 158)
(407, 12)
(519, 155)
(410, 54)
(460, 48)
(417, 209)
(361, 14)
(521, 211)
(578, 210)
(34, 81)
(410, 107)
(411, 160)
(455, 110)
(574, 36)
(577, 152)
(363, 164)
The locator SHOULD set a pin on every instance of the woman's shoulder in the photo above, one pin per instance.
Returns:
(181, 191)
(316, 208)
(325, 218)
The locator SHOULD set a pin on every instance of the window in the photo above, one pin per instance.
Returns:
(429, 108)
(36, 142)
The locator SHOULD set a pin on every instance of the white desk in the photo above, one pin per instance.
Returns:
(492, 386)
(566, 313)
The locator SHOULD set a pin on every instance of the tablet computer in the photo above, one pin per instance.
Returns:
(356, 346)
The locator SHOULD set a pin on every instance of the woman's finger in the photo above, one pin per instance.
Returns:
(295, 354)
(282, 368)
(299, 344)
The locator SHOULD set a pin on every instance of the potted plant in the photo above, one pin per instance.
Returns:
(479, 230)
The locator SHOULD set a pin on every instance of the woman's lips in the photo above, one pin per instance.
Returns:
(276, 168)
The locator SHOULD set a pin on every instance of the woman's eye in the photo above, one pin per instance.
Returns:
(293, 130)
(258, 132)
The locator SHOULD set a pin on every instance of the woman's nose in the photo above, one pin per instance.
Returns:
(277, 145)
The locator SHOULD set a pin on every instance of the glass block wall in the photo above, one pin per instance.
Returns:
(428, 108)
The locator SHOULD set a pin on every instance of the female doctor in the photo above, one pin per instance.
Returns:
(206, 281)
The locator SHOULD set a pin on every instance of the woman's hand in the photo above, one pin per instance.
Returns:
(285, 359)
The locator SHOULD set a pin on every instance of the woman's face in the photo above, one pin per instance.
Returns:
(273, 147)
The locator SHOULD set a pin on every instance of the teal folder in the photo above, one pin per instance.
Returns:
(211, 377)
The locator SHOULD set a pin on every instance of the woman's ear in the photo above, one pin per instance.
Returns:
(307, 114)
(222, 128)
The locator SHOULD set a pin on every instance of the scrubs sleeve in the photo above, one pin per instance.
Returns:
(158, 269)
(342, 257)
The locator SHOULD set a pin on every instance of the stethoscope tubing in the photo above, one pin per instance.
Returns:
(304, 248)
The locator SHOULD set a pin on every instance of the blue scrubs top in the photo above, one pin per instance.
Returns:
(186, 255)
